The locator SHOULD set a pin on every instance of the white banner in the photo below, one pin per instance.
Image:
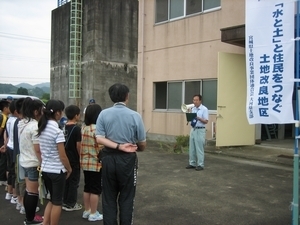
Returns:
(270, 61)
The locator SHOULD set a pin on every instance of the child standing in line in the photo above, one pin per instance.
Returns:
(55, 163)
(30, 157)
(90, 164)
(4, 107)
(9, 136)
(19, 184)
(72, 146)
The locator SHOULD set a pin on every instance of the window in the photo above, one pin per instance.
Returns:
(174, 95)
(209, 92)
(171, 95)
(172, 9)
(193, 6)
(162, 10)
(191, 88)
(176, 8)
(161, 95)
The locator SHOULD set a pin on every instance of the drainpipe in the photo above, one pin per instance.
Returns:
(141, 72)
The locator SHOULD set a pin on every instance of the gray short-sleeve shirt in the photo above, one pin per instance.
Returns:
(121, 125)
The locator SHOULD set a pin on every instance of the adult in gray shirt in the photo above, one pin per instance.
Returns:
(121, 131)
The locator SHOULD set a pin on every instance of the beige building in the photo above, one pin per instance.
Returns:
(188, 47)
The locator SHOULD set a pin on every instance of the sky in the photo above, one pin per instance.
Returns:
(25, 33)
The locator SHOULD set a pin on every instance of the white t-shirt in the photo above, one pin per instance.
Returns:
(27, 138)
(10, 131)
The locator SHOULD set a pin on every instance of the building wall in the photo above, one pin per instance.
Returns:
(109, 50)
(183, 49)
(60, 35)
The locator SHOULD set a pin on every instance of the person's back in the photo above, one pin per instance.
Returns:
(72, 147)
(4, 107)
(9, 135)
(121, 131)
(126, 121)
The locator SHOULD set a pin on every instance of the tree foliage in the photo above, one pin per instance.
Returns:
(46, 96)
(25, 89)
(22, 91)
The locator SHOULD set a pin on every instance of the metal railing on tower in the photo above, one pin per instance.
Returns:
(61, 2)
(75, 50)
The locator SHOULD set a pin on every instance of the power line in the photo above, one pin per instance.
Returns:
(27, 78)
(26, 60)
(22, 56)
(46, 39)
(24, 38)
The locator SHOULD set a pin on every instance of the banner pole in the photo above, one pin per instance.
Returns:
(296, 155)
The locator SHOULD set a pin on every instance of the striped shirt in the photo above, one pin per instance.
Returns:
(90, 149)
(49, 139)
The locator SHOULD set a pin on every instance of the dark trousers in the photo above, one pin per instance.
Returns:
(3, 166)
(72, 184)
(119, 172)
(11, 177)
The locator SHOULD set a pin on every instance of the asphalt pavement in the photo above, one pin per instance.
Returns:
(240, 185)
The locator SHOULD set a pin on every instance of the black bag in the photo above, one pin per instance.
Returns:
(99, 156)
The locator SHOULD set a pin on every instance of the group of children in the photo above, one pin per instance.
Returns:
(33, 145)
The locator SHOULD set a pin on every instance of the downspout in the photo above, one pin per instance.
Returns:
(141, 78)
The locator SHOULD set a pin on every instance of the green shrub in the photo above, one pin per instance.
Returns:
(182, 144)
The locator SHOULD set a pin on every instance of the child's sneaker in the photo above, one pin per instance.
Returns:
(4, 183)
(18, 206)
(22, 210)
(70, 208)
(86, 214)
(8, 196)
(38, 220)
(14, 200)
(95, 216)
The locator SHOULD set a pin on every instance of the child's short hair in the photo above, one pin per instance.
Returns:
(71, 111)
(19, 104)
(3, 104)
(12, 107)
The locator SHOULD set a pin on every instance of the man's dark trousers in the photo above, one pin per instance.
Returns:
(119, 171)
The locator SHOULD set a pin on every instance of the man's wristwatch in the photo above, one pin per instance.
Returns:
(117, 148)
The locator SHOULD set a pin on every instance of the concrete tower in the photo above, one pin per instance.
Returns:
(94, 44)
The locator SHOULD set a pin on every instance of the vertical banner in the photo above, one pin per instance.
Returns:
(270, 67)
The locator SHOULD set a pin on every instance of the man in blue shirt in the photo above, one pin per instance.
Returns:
(197, 135)
(121, 131)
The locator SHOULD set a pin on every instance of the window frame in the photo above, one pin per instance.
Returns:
(183, 82)
(184, 12)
